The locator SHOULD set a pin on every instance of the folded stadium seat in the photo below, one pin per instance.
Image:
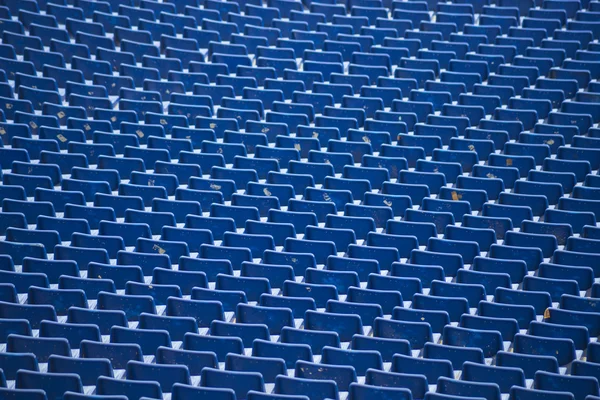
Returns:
(568, 317)
(523, 313)
(490, 281)
(242, 20)
(175, 278)
(522, 393)
(262, 315)
(159, 293)
(455, 387)
(526, 344)
(218, 345)
(432, 369)
(179, 22)
(194, 238)
(442, 56)
(53, 269)
(33, 313)
(186, 308)
(195, 360)
(547, 243)
(416, 332)
(457, 356)
(247, 332)
(119, 354)
(342, 375)
(147, 261)
(183, 392)
(473, 293)
(169, 374)
(88, 369)
(148, 340)
(561, 231)
(12, 362)
(119, 275)
(537, 203)
(435, 318)
(458, 209)
(557, 140)
(43, 348)
(132, 305)
(508, 327)
(579, 386)
(556, 287)
(130, 388)
(21, 42)
(342, 280)
(357, 391)
(60, 299)
(240, 382)
(455, 306)
(53, 384)
(47, 239)
(121, 205)
(277, 274)
(91, 287)
(424, 272)
(578, 334)
(279, 231)
(556, 96)
(577, 219)
(267, 367)
(552, 191)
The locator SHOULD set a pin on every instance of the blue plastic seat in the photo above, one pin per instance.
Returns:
(417, 333)
(343, 376)
(43, 348)
(515, 268)
(12, 362)
(240, 382)
(132, 305)
(148, 340)
(88, 369)
(220, 346)
(230, 299)
(455, 306)
(19, 251)
(522, 393)
(312, 388)
(60, 299)
(53, 384)
(193, 360)
(458, 356)
(168, 374)
(319, 293)
(461, 388)
(129, 388)
(247, 332)
(386, 347)
(578, 385)
(432, 369)
(522, 313)
(32, 313)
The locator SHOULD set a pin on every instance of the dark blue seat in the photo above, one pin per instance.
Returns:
(168, 374)
(578, 385)
(456, 355)
(432, 369)
(522, 393)
(489, 391)
(130, 389)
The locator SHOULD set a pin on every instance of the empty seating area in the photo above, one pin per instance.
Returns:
(299, 200)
